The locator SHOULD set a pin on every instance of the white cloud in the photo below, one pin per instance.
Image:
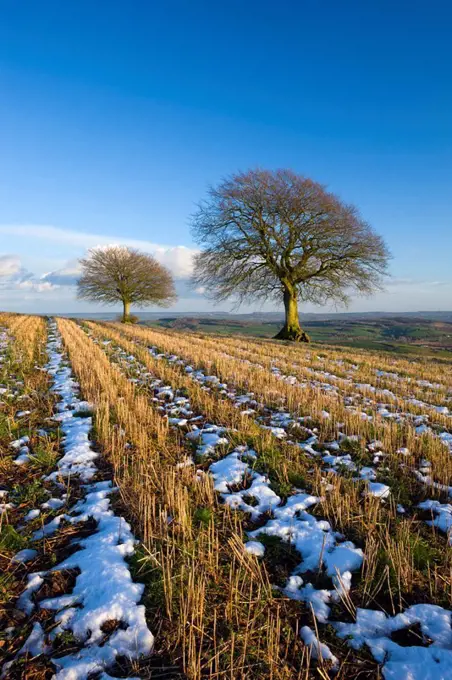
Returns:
(9, 265)
(15, 277)
(179, 259)
(16, 280)
(36, 285)
(66, 276)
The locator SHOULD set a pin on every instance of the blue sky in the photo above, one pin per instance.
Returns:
(114, 118)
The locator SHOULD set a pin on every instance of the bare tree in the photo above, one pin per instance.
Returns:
(280, 235)
(120, 274)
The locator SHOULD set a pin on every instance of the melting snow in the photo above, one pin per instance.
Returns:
(443, 516)
(314, 539)
(25, 555)
(104, 590)
(373, 628)
(255, 548)
(378, 490)
(318, 649)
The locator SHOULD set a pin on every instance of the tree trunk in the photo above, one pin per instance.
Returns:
(292, 329)
(126, 312)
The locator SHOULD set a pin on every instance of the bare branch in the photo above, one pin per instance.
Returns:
(264, 234)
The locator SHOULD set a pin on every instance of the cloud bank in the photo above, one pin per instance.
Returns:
(13, 276)
(32, 289)
(66, 276)
(178, 259)
(9, 265)
(18, 284)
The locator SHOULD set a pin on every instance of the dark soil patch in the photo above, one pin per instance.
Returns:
(280, 559)
(65, 643)
(110, 627)
(410, 637)
(250, 524)
(157, 666)
(57, 583)
(28, 668)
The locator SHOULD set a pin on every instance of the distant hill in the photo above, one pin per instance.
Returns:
(421, 333)
(269, 316)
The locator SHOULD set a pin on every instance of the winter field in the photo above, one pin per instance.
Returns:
(175, 505)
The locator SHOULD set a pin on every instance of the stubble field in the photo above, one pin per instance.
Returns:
(180, 506)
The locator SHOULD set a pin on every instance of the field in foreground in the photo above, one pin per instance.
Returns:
(179, 506)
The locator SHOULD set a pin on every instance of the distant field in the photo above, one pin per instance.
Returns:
(400, 335)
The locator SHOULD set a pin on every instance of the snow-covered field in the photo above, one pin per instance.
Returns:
(335, 470)
(103, 591)
(315, 540)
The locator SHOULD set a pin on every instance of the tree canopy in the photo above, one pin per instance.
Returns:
(272, 235)
(120, 274)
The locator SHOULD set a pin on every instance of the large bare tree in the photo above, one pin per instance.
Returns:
(279, 235)
(119, 274)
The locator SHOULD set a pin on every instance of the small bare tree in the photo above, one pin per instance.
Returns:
(119, 274)
(277, 234)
